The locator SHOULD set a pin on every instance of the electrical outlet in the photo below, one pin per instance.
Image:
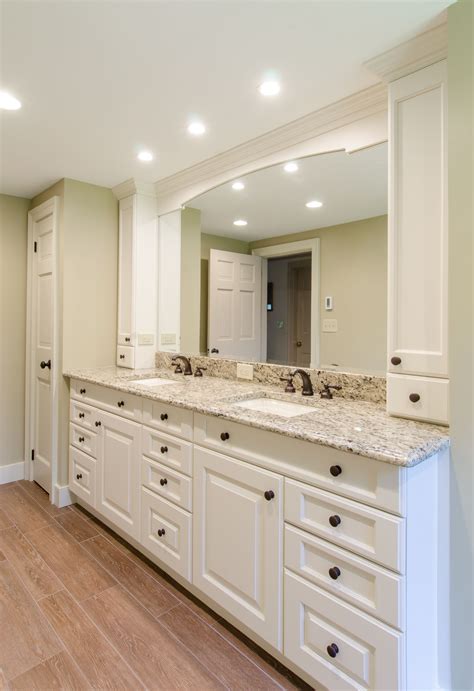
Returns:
(244, 371)
(168, 339)
(146, 339)
(329, 325)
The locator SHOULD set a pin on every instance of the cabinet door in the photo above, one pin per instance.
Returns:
(237, 558)
(418, 251)
(126, 279)
(118, 465)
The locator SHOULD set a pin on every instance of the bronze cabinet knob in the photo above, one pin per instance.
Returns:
(269, 494)
(332, 650)
(396, 360)
(335, 470)
(164, 416)
(163, 481)
(161, 532)
(414, 397)
(334, 572)
(334, 520)
(225, 436)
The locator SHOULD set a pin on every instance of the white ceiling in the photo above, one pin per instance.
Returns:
(101, 80)
(350, 186)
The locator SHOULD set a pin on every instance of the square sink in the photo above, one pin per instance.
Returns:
(271, 406)
(152, 383)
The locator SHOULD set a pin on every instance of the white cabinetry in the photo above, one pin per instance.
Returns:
(137, 285)
(238, 540)
(418, 241)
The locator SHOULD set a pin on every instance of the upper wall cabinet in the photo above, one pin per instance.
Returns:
(137, 299)
(418, 240)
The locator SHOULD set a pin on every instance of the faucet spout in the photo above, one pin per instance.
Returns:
(305, 378)
(187, 363)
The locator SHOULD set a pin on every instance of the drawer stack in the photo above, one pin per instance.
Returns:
(166, 485)
(83, 451)
(344, 598)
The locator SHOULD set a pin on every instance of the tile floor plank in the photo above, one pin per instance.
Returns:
(25, 559)
(77, 570)
(26, 638)
(146, 589)
(157, 658)
(96, 658)
(40, 496)
(76, 526)
(25, 513)
(233, 669)
(59, 672)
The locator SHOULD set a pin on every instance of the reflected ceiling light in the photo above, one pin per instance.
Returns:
(290, 167)
(314, 204)
(238, 185)
(269, 88)
(145, 156)
(240, 222)
(196, 128)
(8, 102)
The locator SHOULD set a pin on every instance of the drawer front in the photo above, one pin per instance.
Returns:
(82, 414)
(357, 581)
(168, 418)
(166, 532)
(369, 481)
(125, 356)
(82, 475)
(174, 486)
(123, 404)
(361, 529)
(171, 451)
(367, 653)
(83, 439)
(430, 398)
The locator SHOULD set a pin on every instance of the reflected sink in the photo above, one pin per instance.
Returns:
(271, 406)
(152, 383)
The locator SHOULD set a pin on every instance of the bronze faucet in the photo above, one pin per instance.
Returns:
(307, 385)
(187, 364)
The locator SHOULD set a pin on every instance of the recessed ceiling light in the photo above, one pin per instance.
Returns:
(145, 156)
(196, 128)
(291, 167)
(269, 88)
(238, 185)
(8, 102)
(240, 222)
(314, 204)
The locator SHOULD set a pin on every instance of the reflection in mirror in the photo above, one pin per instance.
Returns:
(294, 263)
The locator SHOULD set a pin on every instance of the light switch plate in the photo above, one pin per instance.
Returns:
(146, 339)
(168, 339)
(330, 325)
(244, 371)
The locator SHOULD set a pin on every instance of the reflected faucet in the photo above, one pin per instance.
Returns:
(187, 364)
(307, 385)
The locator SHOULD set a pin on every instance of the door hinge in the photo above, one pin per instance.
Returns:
(35, 246)
(32, 454)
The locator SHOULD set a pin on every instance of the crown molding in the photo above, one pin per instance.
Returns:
(348, 110)
(132, 186)
(412, 55)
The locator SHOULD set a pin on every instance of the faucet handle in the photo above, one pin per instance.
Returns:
(199, 369)
(327, 393)
(178, 369)
(289, 388)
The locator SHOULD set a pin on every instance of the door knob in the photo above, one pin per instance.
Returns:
(269, 494)
(334, 520)
(161, 532)
(81, 439)
(225, 436)
(164, 416)
(164, 449)
(82, 415)
(332, 650)
(334, 572)
(414, 397)
(163, 481)
(44, 364)
(396, 360)
(299, 344)
(79, 476)
(335, 470)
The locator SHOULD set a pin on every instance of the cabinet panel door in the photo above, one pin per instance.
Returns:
(126, 287)
(118, 456)
(418, 239)
(238, 540)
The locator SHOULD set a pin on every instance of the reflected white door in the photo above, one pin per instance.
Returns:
(235, 288)
(42, 344)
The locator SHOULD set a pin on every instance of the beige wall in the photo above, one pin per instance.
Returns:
(214, 242)
(13, 242)
(354, 273)
(461, 342)
(190, 279)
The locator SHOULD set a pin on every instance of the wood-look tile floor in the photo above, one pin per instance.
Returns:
(80, 609)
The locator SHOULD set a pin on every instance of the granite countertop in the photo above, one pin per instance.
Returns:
(361, 427)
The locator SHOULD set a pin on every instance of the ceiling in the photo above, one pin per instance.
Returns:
(99, 81)
(273, 202)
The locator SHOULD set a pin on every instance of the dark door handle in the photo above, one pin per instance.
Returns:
(334, 572)
(163, 481)
(225, 436)
(79, 476)
(335, 470)
(164, 416)
(81, 439)
(334, 520)
(414, 397)
(214, 350)
(97, 423)
(269, 494)
(161, 532)
(120, 404)
(332, 650)
(44, 364)
(81, 415)
(82, 391)
(396, 360)
(164, 449)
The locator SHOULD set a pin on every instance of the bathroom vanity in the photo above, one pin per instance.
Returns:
(314, 526)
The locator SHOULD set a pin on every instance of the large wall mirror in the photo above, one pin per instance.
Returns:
(294, 263)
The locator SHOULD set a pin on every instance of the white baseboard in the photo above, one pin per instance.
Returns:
(62, 496)
(12, 472)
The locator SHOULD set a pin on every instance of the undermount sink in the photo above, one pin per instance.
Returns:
(152, 383)
(271, 406)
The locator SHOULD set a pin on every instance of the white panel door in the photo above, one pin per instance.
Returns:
(235, 288)
(126, 282)
(418, 247)
(42, 343)
(238, 540)
(118, 471)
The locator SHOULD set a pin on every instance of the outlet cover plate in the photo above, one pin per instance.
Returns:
(330, 325)
(244, 371)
